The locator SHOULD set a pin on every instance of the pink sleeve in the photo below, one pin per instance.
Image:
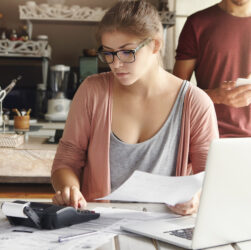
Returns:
(187, 45)
(72, 148)
(204, 129)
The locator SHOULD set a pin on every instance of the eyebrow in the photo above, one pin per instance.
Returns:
(121, 47)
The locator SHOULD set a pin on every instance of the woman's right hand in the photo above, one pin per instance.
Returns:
(70, 196)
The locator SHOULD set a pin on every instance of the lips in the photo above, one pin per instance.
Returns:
(121, 74)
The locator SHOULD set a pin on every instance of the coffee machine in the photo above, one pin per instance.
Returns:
(58, 105)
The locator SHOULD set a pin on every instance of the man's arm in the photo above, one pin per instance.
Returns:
(184, 68)
(226, 93)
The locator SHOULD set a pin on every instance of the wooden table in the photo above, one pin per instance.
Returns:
(125, 242)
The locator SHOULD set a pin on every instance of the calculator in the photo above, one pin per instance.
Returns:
(45, 215)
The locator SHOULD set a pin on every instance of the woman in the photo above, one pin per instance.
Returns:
(138, 116)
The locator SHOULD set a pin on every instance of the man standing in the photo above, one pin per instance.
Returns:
(216, 44)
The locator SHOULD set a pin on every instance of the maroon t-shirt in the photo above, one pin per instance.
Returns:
(221, 44)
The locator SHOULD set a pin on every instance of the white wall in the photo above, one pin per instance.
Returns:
(183, 9)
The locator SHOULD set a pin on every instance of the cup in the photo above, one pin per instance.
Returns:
(22, 123)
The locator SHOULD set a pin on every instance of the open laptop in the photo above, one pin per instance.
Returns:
(224, 214)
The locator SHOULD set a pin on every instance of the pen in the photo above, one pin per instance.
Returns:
(28, 112)
(17, 112)
(75, 236)
(22, 231)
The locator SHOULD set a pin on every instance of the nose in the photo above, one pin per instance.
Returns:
(116, 62)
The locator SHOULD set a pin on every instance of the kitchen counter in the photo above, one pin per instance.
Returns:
(30, 162)
(38, 128)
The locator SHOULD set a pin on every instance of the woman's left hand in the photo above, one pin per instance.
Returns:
(187, 208)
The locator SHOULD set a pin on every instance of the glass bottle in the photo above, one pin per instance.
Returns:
(24, 33)
(13, 35)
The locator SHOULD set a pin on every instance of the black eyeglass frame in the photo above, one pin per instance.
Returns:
(115, 53)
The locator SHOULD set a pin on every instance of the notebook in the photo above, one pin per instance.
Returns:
(224, 214)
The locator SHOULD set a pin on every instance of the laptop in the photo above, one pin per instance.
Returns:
(224, 214)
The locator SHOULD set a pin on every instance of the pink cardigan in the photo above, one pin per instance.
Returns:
(84, 147)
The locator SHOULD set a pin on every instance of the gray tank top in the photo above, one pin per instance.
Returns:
(156, 155)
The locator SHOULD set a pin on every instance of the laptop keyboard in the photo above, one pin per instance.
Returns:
(186, 233)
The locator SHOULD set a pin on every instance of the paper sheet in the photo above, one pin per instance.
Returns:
(242, 81)
(107, 226)
(128, 216)
(146, 187)
(48, 239)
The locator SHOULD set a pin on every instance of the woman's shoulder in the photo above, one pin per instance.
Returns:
(198, 98)
(94, 91)
(97, 82)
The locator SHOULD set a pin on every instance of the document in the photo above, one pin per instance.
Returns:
(23, 238)
(106, 226)
(119, 217)
(146, 187)
(242, 81)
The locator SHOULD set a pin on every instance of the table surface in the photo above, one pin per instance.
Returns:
(37, 143)
(125, 242)
(30, 162)
(42, 171)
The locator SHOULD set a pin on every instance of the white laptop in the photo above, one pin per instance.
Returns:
(224, 214)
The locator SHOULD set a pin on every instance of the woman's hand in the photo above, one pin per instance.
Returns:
(70, 196)
(187, 208)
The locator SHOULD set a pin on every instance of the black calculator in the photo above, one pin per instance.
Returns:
(49, 216)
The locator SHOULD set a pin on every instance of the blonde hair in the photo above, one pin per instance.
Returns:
(139, 18)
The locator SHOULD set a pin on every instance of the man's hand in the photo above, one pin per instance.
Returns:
(230, 95)
(187, 208)
(70, 196)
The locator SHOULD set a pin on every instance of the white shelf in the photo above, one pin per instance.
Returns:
(28, 48)
(58, 12)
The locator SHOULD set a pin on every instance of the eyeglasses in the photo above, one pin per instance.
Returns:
(125, 56)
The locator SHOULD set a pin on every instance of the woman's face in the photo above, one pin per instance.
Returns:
(128, 73)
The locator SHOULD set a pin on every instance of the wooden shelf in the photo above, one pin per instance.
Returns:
(26, 191)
